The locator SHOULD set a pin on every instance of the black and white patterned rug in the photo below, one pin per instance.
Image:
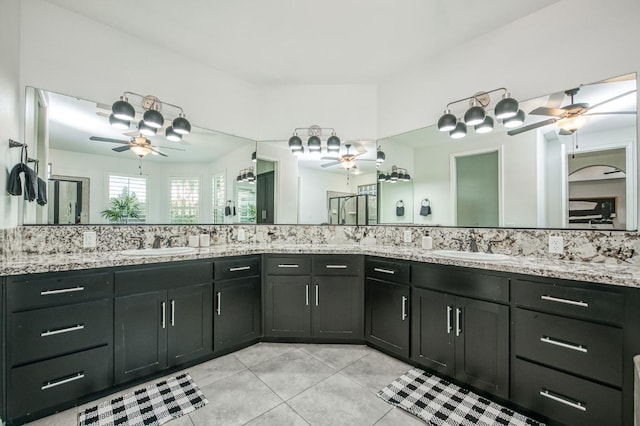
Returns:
(153, 405)
(439, 402)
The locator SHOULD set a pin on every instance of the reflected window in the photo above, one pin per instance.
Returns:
(132, 187)
(185, 200)
(218, 198)
(246, 203)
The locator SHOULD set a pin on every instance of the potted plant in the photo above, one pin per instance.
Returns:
(122, 208)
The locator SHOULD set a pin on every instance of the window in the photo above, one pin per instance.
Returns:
(370, 189)
(185, 199)
(246, 203)
(218, 200)
(125, 192)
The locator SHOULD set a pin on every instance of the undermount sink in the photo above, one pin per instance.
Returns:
(469, 255)
(165, 251)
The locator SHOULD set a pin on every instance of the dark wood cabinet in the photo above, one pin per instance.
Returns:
(189, 325)
(236, 319)
(287, 309)
(387, 316)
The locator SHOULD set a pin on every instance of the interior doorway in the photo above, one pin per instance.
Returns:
(265, 192)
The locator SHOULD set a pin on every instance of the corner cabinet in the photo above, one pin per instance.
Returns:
(163, 317)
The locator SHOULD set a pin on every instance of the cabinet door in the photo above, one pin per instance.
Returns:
(287, 306)
(189, 323)
(140, 335)
(482, 345)
(337, 307)
(433, 330)
(237, 312)
(387, 316)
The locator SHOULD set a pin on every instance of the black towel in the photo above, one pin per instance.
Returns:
(42, 192)
(14, 186)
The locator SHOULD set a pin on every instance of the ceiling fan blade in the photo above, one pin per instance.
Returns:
(564, 132)
(100, 139)
(169, 147)
(158, 152)
(366, 159)
(531, 126)
(555, 100)
(622, 95)
(333, 163)
(121, 148)
(611, 113)
(359, 147)
(330, 158)
(554, 112)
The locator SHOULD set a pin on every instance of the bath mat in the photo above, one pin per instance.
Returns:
(441, 403)
(154, 405)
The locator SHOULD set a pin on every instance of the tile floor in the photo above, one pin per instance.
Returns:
(288, 384)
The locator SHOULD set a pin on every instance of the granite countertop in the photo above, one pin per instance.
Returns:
(614, 274)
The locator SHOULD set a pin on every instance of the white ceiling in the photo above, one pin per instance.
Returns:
(306, 41)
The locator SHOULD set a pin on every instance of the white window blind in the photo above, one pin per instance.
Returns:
(134, 187)
(218, 198)
(247, 204)
(185, 200)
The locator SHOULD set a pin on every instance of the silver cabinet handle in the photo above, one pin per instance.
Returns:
(288, 265)
(458, 326)
(565, 301)
(240, 268)
(449, 310)
(404, 307)
(551, 341)
(173, 313)
(385, 271)
(219, 296)
(61, 290)
(163, 307)
(53, 383)
(306, 287)
(317, 295)
(336, 266)
(62, 330)
(563, 400)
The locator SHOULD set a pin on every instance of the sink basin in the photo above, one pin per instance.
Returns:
(468, 255)
(165, 251)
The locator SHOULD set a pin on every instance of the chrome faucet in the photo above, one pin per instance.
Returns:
(156, 241)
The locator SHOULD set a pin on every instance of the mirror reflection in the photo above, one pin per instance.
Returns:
(97, 174)
(571, 164)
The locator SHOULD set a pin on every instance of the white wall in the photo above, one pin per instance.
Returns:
(314, 185)
(9, 105)
(569, 42)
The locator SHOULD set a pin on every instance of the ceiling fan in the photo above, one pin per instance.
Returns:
(572, 117)
(139, 145)
(348, 160)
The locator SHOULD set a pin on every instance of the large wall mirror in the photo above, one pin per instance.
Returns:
(539, 177)
(94, 176)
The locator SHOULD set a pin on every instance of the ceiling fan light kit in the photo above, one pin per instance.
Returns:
(477, 115)
(140, 150)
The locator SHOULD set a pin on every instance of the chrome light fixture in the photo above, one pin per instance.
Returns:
(172, 135)
(153, 118)
(515, 120)
(397, 174)
(122, 109)
(119, 123)
(382, 177)
(477, 114)
(333, 143)
(246, 175)
(380, 156)
(145, 129)
(314, 143)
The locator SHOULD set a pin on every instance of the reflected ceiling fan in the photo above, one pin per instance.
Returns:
(572, 117)
(139, 145)
(347, 160)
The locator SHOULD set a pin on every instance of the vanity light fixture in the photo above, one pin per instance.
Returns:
(254, 157)
(246, 175)
(145, 129)
(172, 135)
(119, 123)
(397, 174)
(380, 156)
(314, 143)
(506, 112)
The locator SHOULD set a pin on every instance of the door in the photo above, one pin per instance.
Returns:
(387, 316)
(189, 323)
(237, 312)
(433, 330)
(482, 346)
(477, 189)
(265, 192)
(140, 335)
(337, 307)
(287, 306)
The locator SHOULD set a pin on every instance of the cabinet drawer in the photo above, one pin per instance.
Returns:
(572, 301)
(160, 277)
(388, 270)
(337, 265)
(236, 268)
(288, 265)
(49, 383)
(588, 349)
(565, 398)
(38, 291)
(45, 333)
(454, 280)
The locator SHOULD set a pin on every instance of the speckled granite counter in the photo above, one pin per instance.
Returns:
(621, 275)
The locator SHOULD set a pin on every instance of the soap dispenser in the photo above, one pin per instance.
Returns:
(427, 241)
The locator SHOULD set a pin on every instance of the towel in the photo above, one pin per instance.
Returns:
(42, 192)
(14, 186)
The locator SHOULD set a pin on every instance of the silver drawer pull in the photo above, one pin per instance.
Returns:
(555, 342)
(240, 268)
(565, 301)
(306, 292)
(61, 291)
(163, 318)
(449, 328)
(563, 400)
(404, 307)
(219, 308)
(458, 322)
(173, 313)
(385, 271)
(288, 265)
(53, 383)
(336, 266)
(62, 330)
